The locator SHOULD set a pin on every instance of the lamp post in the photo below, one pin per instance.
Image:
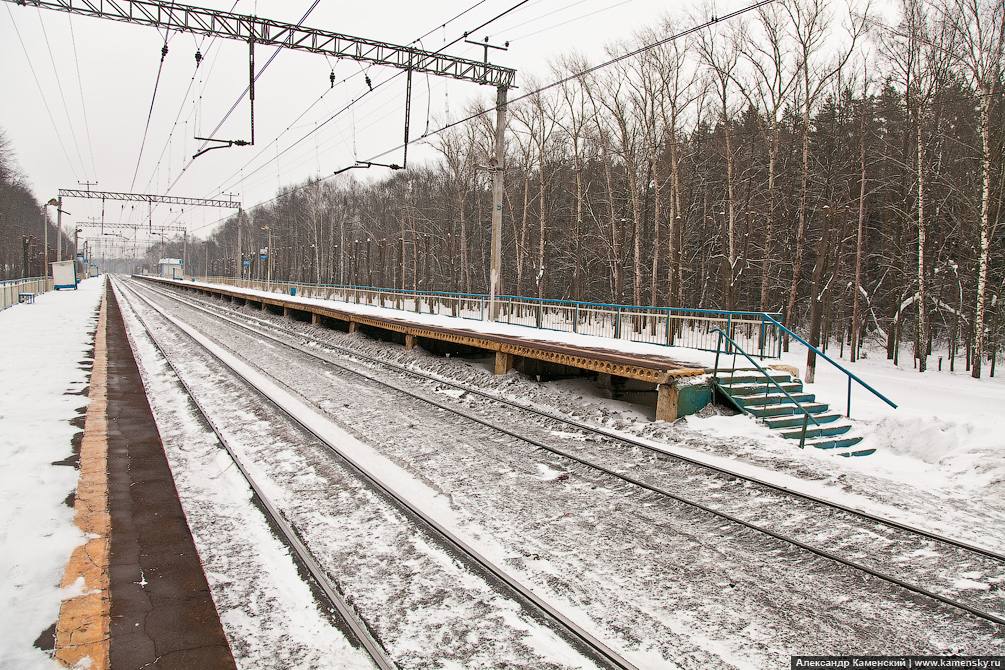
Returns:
(205, 244)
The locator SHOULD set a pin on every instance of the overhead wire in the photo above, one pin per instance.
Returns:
(241, 97)
(62, 97)
(378, 85)
(342, 110)
(635, 52)
(41, 93)
(205, 57)
(83, 106)
(150, 113)
(349, 105)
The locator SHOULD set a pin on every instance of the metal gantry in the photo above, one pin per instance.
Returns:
(148, 198)
(214, 23)
(253, 29)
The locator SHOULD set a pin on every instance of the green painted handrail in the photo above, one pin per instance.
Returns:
(851, 375)
(806, 414)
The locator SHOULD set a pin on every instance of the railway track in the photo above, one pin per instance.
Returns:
(922, 562)
(721, 489)
(293, 536)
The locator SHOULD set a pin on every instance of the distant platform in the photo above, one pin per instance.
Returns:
(527, 350)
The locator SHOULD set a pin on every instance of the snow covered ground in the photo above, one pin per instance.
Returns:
(940, 460)
(46, 351)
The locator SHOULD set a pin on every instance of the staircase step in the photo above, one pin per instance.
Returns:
(852, 452)
(758, 387)
(751, 376)
(785, 410)
(787, 421)
(814, 431)
(773, 399)
(833, 442)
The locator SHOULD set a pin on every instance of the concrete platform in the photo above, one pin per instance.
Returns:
(145, 602)
(526, 349)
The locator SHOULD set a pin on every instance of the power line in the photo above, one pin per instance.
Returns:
(80, 88)
(41, 93)
(590, 70)
(146, 129)
(181, 107)
(59, 86)
(375, 87)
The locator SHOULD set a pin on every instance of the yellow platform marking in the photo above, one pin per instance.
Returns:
(82, 630)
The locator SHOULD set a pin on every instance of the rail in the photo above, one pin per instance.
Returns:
(807, 417)
(665, 326)
(12, 290)
(851, 375)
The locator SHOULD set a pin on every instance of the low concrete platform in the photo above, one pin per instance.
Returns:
(146, 602)
(528, 352)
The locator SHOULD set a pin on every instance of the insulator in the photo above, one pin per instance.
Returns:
(331, 78)
(198, 57)
(164, 51)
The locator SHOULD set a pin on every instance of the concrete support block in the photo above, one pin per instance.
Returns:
(668, 402)
(409, 342)
(604, 381)
(353, 327)
(286, 311)
(504, 362)
(263, 306)
(315, 318)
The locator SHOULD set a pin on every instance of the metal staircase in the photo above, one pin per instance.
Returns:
(777, 400)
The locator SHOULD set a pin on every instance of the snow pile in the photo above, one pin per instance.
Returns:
(44, 368)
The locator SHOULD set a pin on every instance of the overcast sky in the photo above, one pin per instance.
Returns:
(77, 92)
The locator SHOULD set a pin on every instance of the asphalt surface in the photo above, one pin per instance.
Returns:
(162, 613)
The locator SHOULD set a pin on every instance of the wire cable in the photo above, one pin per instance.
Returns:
(80, 87)
(62, 97)
(590, 70)
(150, 113)
(41, 93)
(374, 89)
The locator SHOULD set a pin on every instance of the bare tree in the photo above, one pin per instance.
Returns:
(978, 31)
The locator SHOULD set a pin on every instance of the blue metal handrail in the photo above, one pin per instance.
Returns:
(851, 375)
(807, 417)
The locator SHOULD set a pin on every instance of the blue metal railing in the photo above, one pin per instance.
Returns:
(851, 375)
(666, 326)
(807, 417)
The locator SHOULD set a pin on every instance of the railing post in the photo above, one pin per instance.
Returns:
(718, 346)
(669, 339)
(760, 337)
(540, 309)
(848, 412)
(575, 317)
(802, 438)
(509, 310)
(729, 329)
(617, 324)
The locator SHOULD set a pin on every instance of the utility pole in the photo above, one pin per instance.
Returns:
(498, 168)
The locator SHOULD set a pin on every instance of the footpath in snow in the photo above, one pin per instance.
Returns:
(46, 352)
